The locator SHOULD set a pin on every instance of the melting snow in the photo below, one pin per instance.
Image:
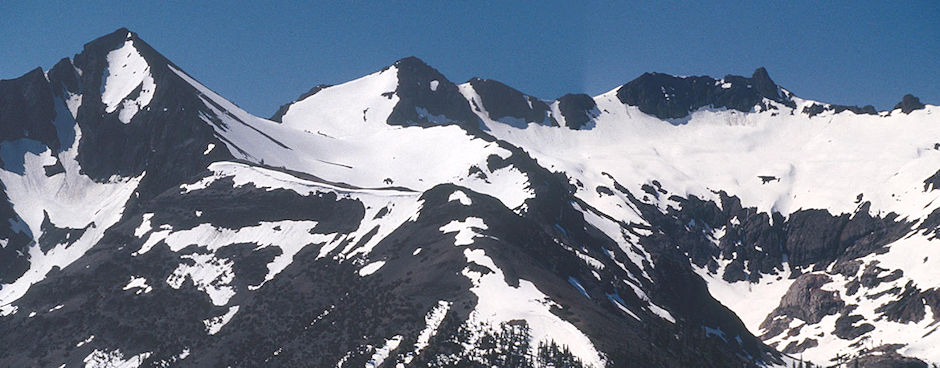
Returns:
(113, 359)
(209, 274)
(85, 341)
(215, 324)
(431, 322)
(919, 338)
(464, 229)
(371, 268)
(383, 352)
(138, 283)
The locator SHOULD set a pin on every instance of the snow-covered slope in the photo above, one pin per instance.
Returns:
(400, 219)
(341, 134)
(821, 162)
(776, 161)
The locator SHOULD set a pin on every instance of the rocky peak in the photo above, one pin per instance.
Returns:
(63, 77)
(501, 101)
(577, 109)
(136, 114)
(909, 103)
(427, 98)
(110, 41)
(671, 97)
(765, 86)
(414, 64)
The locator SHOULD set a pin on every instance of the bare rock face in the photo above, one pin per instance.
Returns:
(806, 301)
(814, 235)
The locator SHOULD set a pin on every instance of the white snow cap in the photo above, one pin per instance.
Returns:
(127, 72)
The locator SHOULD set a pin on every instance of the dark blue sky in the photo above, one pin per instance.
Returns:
(261, 56)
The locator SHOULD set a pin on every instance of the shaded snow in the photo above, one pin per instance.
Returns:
(751, 302)
(383, 352)
(70, 199)
(577, 285)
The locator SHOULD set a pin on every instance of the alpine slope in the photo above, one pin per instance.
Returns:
(403, 220)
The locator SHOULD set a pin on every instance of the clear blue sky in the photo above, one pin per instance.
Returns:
(261, 56)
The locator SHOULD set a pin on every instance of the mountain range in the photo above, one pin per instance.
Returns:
(403, 220)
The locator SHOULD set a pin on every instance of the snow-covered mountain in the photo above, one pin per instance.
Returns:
(401, 219)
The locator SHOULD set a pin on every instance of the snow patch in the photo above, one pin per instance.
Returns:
(145, 226)
(461, 197)
(139, 283)
(210, 275)
(383, 352)
(85, 341)
(371, 268)
(464, 229)
(127, 72)
(113, 359)
(215, 324)
(431, 322)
